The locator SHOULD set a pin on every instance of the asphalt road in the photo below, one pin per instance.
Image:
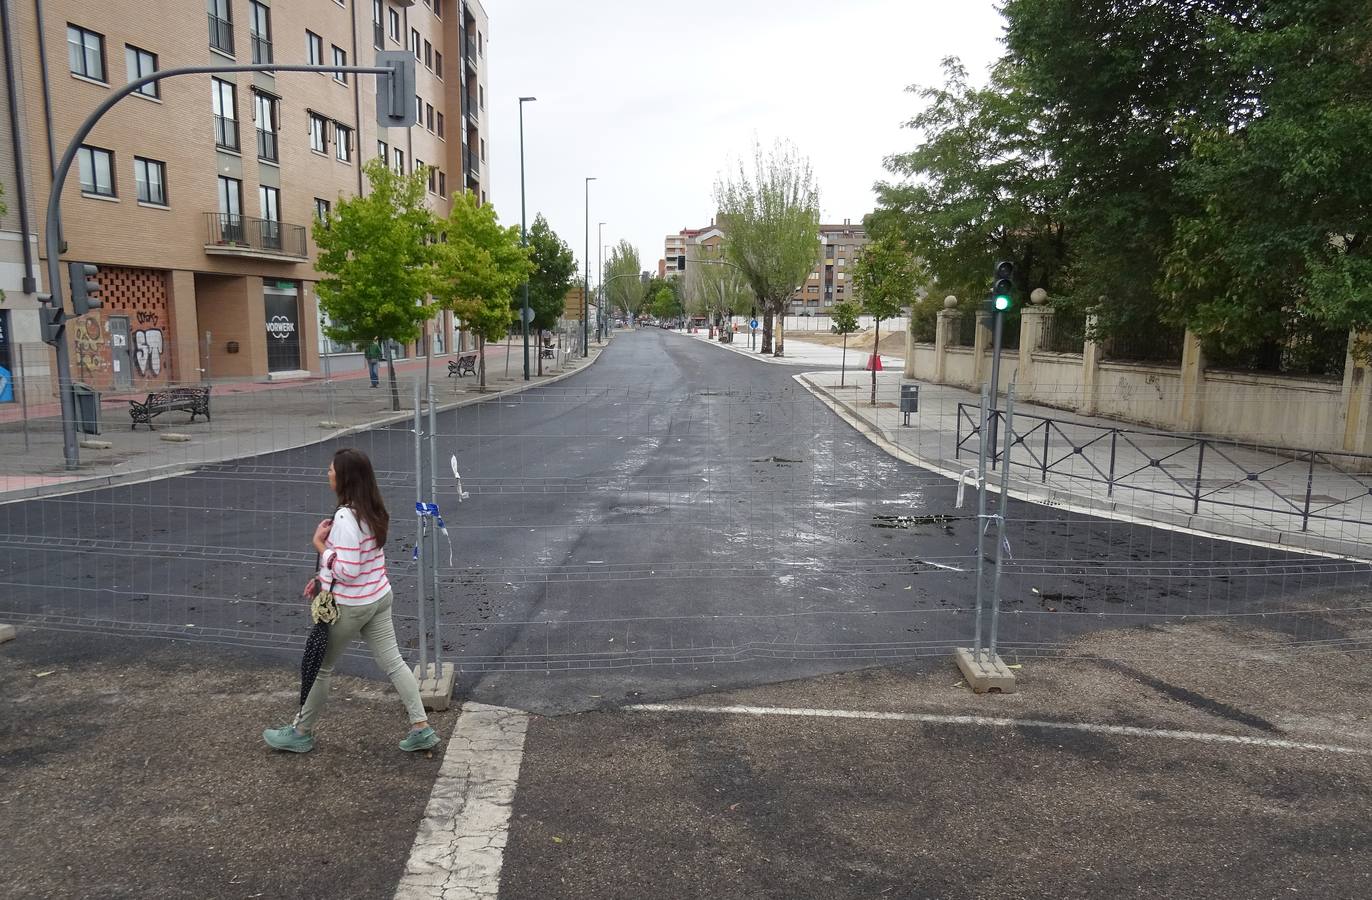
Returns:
(675, 519)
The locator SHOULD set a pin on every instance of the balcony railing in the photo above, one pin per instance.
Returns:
(267, 145)
(231, 232)
(261, 50)
(221, 34)
(473, 113)
(226, 133)
(471, 55)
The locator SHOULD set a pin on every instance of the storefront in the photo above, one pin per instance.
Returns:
(281, 301)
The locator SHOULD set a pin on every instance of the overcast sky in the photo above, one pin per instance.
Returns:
(654, 99)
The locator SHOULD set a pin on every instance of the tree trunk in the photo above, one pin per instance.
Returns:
(876, 352)
(781, 333)
(766, 332)
(395, 388)
(481, 360)
(843, 367)
(538, 351)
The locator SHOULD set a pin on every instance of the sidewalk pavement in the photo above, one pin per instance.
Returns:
(249, 418)
(800, 352)
(1154, 477)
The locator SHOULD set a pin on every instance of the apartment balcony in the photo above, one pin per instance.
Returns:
(244, 236)
(267, 145)
(473, 113)
(221, 34)
(470, 56)
(226, 133)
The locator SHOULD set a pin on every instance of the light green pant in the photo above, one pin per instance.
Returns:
(373, 624)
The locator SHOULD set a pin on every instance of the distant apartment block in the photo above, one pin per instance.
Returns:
(196, 196)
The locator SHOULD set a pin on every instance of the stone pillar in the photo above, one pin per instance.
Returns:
(310, 327)
(1357, 396)
(1033, 324)
(945, 331)
(1090, 370)
(187, 339)
(981, 349)
(1189, 415)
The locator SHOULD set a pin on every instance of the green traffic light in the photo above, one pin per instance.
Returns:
(1002, 302)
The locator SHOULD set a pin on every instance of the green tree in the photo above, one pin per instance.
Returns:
(662, 300)
(480, 265)
(555, 272)
(845, 317)
(770, 217)
(885, 281)
(377, 254)
(715, 289)
(622, 287)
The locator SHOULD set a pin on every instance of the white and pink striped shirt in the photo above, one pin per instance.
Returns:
(353, 566)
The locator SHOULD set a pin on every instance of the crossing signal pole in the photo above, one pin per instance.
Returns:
(1001, 301)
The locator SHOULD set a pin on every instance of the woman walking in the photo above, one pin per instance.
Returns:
(352, 565)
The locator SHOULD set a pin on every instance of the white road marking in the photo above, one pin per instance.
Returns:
(993, 722)
(460, 847)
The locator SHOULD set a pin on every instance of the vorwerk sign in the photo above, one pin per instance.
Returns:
(280, 327)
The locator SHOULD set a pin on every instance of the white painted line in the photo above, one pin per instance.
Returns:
(992, 722)
(460, 847)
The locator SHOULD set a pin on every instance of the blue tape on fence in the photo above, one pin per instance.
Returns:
(430, 511)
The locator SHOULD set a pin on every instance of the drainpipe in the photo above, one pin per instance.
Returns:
(47, 87)
(357, 97)
(30, 284)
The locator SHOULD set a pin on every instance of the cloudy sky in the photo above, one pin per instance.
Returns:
(655, 98)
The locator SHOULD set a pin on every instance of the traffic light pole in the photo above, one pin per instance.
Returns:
(54, 314)
(998, 329)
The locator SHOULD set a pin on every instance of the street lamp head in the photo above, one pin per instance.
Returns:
(527, 99)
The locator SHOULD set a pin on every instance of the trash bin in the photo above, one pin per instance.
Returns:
(909, 400)
(86, 399)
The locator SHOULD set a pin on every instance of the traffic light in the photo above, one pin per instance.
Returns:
(51, 324)
(84, 288)
(1003, 290)
(395, 92)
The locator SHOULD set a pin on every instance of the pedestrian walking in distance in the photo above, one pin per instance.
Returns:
(373, 356)
(352, 565)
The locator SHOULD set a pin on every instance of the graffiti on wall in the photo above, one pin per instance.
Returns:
(148, 345)
(89, 342)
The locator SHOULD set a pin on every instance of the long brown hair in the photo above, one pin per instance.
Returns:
(355, 484)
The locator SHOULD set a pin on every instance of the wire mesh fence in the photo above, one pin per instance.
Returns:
(630, 520)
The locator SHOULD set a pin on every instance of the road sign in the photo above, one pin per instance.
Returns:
(753, 324)
(527, 314)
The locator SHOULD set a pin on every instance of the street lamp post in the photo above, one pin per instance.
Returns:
(524, 232)
(586, 290)
(602, 321)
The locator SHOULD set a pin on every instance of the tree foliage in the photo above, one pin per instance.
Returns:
(770, 217)
(715, 288)
(1197, 164)
(554, 274)
(845, 316)
(480, 264)
(662, 300)
(886, 278)
(623, 288)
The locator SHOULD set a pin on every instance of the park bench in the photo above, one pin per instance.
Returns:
(194, 400)
(463, 365)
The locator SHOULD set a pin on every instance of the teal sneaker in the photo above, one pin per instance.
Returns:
(425, 739)
(285, 738)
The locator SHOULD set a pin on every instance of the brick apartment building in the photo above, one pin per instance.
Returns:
(195, 197)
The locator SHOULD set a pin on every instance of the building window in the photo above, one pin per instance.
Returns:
(429, 116)
(221, 26)
(483, 198)
(443, 184)
(481, 94)
(319, 133)
(225, 97)
(260, 26)
(340, 58)
(314, 49)
(483, 149)
(428, 55)
(378, 28)
(269, 199)
(814, 276)
(433, 181)
(343, 142)
(480, 45)
(382, 151)
(419, 110)
(440, 124)
(321, 209)
(840, 260)
(399, 161)
(97, 171)
(395, 24)
(86, 52)
(841, 276)
(231, 210)
(140, 64)
(151, 177)
(812, 289)
(438, 8)
(267, 118)
(414, 43)
(438, 64)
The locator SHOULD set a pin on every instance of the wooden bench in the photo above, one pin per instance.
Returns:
(194, 400)
(463, 365)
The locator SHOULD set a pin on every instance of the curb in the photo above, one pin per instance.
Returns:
(173, 470)
(1182, 523)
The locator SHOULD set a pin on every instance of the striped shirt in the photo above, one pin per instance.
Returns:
(353, 566)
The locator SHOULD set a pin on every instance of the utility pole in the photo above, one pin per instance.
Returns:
(524, 233)
(586, 293)
(602, 321)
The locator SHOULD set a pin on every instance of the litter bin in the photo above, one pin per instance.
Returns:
(909, 400)
(86, 399)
